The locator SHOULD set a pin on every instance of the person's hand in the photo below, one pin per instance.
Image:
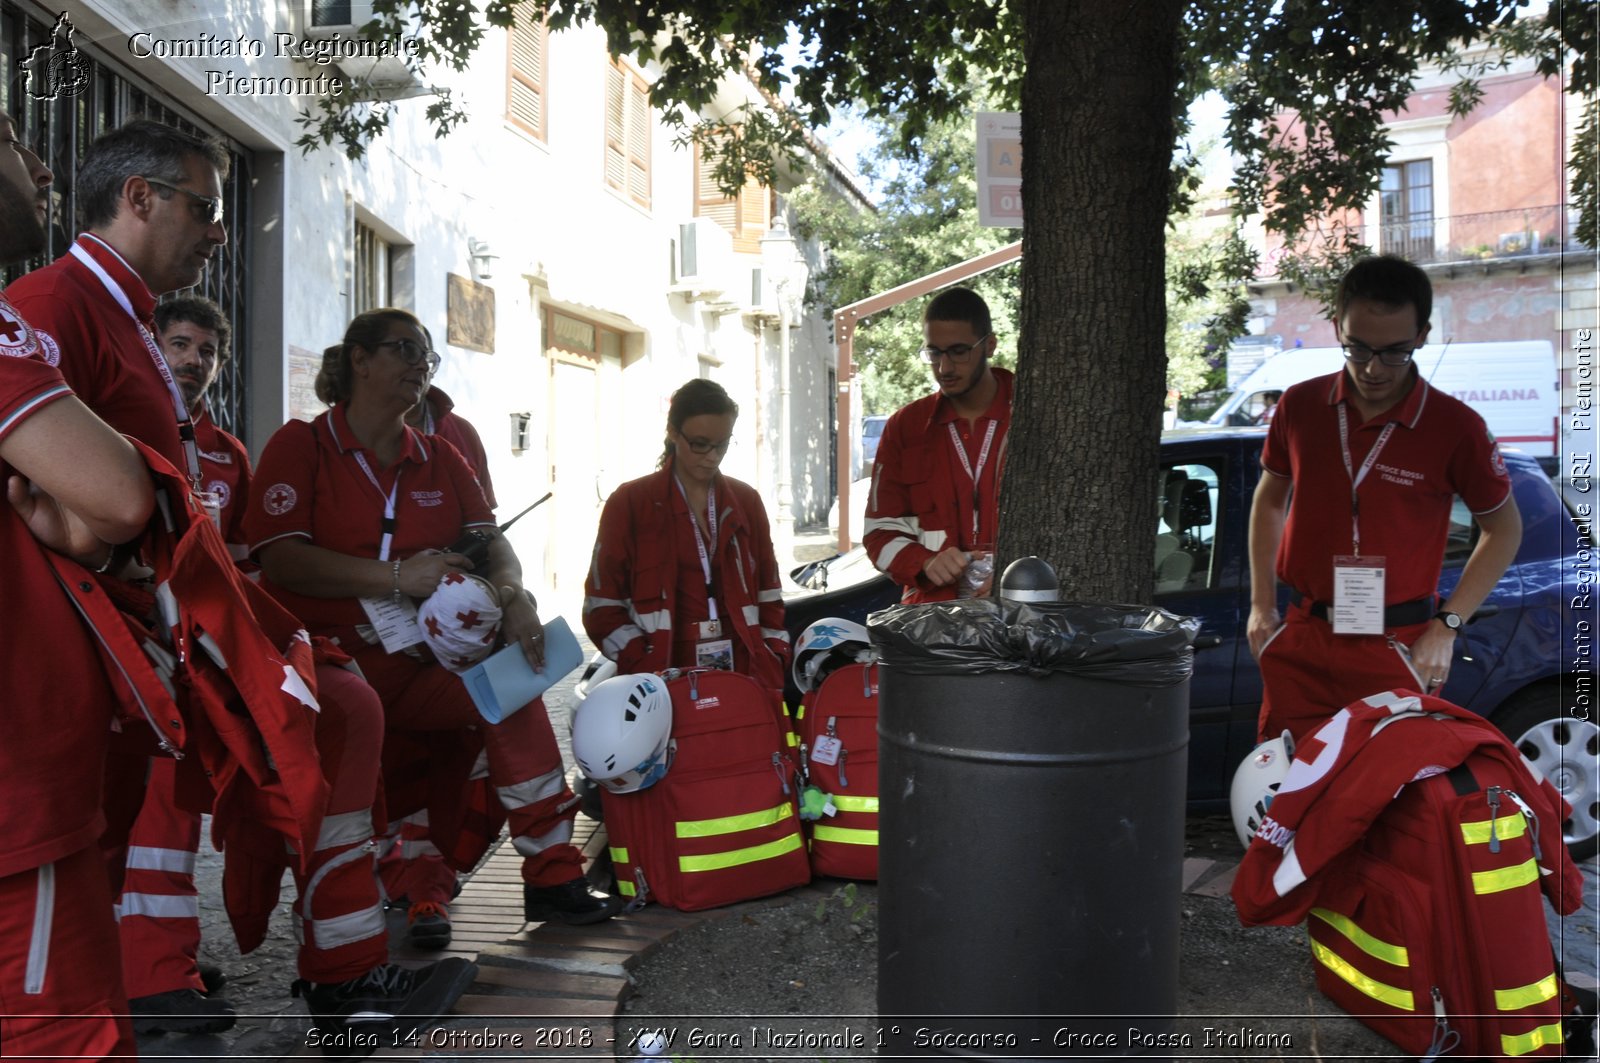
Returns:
(57, 527)
(520, 625)
(945, 567)
(1431, 655)
(1260, 627)
(420, 574)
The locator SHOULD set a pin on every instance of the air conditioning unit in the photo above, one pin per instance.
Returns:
(763, 300)
(703, 265)
(328, 17)
(373, 69)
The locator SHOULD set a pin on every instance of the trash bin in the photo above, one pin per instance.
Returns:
(1032, 763)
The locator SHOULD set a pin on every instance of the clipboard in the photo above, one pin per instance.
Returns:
(505, 682)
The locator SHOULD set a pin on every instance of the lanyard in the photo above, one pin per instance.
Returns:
(700, 543)
(191, 452)
(973, 475)
(1357, 477)
(388, 505)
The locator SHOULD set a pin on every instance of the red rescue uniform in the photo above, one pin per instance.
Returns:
(58, 992)
(936, 484)
(1437, 448)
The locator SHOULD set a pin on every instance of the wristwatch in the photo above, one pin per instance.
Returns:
(1451, 620)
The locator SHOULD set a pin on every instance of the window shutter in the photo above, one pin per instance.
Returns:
(529, 40)
(616, 105)
(639, 143)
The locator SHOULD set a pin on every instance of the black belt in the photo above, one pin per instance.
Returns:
(1401, 614)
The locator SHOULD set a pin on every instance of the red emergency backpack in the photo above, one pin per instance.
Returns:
(839, 752)
(722, 825)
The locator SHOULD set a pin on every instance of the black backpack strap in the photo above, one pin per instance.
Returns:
(1463, 780)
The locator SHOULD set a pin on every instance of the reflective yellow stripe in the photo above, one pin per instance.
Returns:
(619, 855)
(1522, 1043)
(846, 803)
(710, 828)
(625, 887)
(1505, 878)
(845, 835)
(1377, 948)
(1383, 994)
(735, 857)
(1526, 996)
(794, 739)
(1477, 833)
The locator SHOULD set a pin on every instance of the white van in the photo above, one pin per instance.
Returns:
(1512, 384)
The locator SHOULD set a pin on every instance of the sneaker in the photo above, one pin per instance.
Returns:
(386, 1004)
(181, 1011)
(428, 925)
(212, 978)
(574, 903)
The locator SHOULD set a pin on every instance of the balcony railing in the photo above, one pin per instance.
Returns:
(1488, 235)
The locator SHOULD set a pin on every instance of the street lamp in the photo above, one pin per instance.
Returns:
(781, 261)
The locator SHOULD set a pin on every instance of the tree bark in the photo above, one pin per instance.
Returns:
(1097, 141)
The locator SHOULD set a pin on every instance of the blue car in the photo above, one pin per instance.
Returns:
(1516, 656)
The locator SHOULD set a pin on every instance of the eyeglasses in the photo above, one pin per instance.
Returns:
(706, 446)
(413, 353)
(213, 204)
(1394, 357)
(956, 352)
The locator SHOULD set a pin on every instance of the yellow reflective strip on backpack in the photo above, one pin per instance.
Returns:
(626, 888)
(847, 803)
(1377, 948)
(1526, 996)
(1505, 878)
(710, 828)
(735, 857)
(794, 739)
(1520, 1044)
(619, 854)
(1477, 833)
(845, 835)
(1383, 994)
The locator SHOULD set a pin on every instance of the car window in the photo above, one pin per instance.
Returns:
(1463, 534)
(1186, 525)
(872, 427)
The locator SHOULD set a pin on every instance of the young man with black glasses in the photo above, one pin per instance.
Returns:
(933, 513)
(1374, 457)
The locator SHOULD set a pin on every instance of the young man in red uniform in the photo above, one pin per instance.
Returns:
(1374, 457)
(159, 909)
(60, 991)
(152, 204)
(935, 503)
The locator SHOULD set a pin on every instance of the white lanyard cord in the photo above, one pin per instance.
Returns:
(1357, 477)
(973, 475)
(388, 505)
(191, 451)
(699, 542)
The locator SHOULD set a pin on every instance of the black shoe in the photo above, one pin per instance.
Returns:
(181, 1011)
(212, 977)
(357, 1017)
(572, 902)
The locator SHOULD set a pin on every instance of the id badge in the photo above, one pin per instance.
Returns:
(212, 503)
(826, 750)
(1357, 595)
(710, 629)
(716, 653)
(395, 622)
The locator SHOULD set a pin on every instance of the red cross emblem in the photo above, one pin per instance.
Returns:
(469, 619)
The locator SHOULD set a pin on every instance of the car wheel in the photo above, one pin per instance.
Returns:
(1567, 751)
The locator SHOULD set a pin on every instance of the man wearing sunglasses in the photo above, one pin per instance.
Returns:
(1374, 457)
(933, 514)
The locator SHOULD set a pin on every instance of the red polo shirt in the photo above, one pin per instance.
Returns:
(1439, 448)
(459, 433)
(311, 485)
(56, 712)
(104, 358)
(225, 466)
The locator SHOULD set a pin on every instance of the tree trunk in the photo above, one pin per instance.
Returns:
(1097, 140)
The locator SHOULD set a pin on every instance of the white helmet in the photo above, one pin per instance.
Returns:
(621, 732)
(825, 645)
(1256, 783)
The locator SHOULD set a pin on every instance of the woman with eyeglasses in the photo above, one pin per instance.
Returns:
(351, 517)
(684, 574)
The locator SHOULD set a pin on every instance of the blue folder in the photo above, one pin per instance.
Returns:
(505, 682)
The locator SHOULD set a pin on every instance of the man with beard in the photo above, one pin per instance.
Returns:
(933, 514)
(75, 484)
(152, 204)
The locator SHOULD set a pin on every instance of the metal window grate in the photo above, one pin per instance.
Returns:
(371, 271)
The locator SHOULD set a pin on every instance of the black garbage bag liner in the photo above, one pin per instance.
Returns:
(1137, 644)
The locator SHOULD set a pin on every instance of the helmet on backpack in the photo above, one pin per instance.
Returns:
(827, 644)
(621, 732)
(1256, 782)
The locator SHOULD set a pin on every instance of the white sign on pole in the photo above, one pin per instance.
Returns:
(999, 169)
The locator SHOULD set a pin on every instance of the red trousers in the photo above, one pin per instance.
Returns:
(524, 767)
(1308, 673)
(60, 979)
(159, 910)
